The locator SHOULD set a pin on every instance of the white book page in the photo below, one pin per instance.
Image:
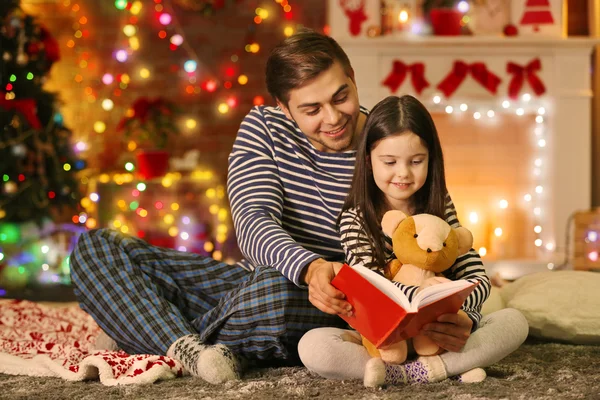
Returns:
(386, 286)
(433, 293)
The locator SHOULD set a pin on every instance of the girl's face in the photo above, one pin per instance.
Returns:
(400, 166)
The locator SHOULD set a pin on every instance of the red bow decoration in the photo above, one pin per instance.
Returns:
(398, 74)
(26, 107)
(459, 72)
(520, 73)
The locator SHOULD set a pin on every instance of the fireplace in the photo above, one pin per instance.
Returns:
(493, 167)
(517, 166)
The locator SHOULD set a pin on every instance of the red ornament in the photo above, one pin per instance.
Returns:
(511, 30)
(446, 22)
(535, 14)
(152, 164)
(33, 48)
(143, 107)
(27, 107)
(50, 45)
(356, 14)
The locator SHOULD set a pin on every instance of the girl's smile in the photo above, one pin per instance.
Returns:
(400, 167)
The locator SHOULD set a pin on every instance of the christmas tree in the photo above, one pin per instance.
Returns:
(537, 13)
(39, 189)
(37, 161)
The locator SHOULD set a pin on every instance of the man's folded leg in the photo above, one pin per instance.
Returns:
(144, 297)
(207, 314)
(264, 318)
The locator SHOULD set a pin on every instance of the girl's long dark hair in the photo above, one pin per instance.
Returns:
(392, 116)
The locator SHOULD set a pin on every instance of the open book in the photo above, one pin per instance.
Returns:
(382, 312)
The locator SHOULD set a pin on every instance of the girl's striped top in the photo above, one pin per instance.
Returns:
(468, 266)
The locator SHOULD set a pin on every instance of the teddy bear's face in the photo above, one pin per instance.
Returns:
(427, 242)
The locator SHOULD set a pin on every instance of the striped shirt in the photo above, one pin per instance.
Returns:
(468, 266)
(285, 195)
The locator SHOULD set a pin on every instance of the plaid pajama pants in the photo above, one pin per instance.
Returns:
(147, 297)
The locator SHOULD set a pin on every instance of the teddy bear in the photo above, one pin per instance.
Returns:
(425, 246)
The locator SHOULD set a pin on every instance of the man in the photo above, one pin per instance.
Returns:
(289, 171)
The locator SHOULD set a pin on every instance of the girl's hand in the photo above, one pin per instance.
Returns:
(451, 331)
(432, 281)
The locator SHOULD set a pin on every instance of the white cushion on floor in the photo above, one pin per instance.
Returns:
(559, 305)
(494, 302)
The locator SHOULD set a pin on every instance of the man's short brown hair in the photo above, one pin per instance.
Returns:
(299, 59)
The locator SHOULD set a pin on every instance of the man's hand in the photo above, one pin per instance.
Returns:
(318, 275)
(451, 331)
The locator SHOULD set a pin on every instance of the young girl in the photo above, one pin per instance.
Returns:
(400, 166)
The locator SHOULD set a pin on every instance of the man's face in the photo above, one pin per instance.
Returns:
(326, 110)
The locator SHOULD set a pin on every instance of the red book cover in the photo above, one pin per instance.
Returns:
(378, 313)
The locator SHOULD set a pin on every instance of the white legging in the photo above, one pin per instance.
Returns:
(338, 353)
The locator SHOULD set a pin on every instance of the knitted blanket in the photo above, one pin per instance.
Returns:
(40, 340)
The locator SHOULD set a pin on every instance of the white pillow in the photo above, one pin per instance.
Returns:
(559, 305)
(494, 302)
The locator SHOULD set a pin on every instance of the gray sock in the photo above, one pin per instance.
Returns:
(105, 342)
(213, 363)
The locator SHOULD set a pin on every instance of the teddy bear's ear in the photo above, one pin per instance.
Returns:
(391, 220)
(465, 240)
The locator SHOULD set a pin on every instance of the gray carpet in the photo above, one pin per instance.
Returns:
(537, 370)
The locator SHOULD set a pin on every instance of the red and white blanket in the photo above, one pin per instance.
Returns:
(40, 340)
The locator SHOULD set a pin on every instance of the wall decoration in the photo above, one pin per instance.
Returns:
(399, 71)
(522, 73)
(355, 12)
(352, 19)
(538, 17)
(489, 17)
(477, 70)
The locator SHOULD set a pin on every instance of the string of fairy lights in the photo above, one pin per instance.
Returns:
(113, 82)
(170, 31)
(534, 200)
(166, 214)
(191, 208)
(195, 79)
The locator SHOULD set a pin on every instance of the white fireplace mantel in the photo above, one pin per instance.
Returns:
(566, 72)
(566, 69)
